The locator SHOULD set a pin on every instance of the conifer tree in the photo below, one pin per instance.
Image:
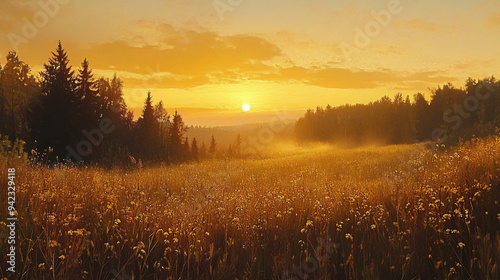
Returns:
(147, 131)
(194, 149)
(186, 149)
(118, 144)
(86, 92)
(203, 150)
(213, 146)
(177, 131)
(57, 126)
(18, 92)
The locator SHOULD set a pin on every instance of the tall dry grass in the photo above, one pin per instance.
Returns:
(397, 212)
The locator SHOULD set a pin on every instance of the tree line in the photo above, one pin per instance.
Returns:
(451, 115)
(65, 115)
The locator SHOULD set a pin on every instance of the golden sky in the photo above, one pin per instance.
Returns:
(209, 57)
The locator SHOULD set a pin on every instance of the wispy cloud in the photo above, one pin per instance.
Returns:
(493, 21)
(418, 24)
(184, 52)
(341, 78)
(12, 14)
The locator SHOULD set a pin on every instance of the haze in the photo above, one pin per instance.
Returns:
(208, 58)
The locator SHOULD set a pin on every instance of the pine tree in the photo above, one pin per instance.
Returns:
(147, 131)
(148, 117)
(237, 145)
(203, 150)
(186, 149)
(116, 145)
(163, 119)
(86, 91)
(18, 92)
(194, 149)
(56, 124)
(177, 130)
(213, 146)
(421, 109)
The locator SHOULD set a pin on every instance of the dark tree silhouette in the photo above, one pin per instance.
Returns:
(163, 119)
(186, 150)
(177, 131)
(56, 124)
(422, 122)
(147, 131)
(452, 114)
(18, 93)
(87, 93)
(117, 145)
(203, 150)
(62, 109)
(195, 153)
(213, 146)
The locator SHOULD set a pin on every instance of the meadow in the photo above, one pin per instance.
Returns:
(319, 212)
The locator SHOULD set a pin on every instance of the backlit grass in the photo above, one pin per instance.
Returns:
(396, 212)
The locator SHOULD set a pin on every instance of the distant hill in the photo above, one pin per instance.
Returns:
(226, 135)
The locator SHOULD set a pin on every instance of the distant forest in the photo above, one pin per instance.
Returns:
(452, 115)
(66, 116)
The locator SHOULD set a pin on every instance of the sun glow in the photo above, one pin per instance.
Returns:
(246, 107)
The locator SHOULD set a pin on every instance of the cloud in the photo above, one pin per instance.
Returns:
(351, 9)
(172, 58)
(165, 57)
(167, 82)
(341, 78)
(13, 12)
(418, 25)
(185, 52)
(162, 56)
(326, 77)
(487, 5)
(493, 21)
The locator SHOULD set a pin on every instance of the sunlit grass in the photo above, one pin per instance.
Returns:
(389, 212)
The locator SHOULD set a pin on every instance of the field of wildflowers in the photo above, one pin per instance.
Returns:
(395, 212)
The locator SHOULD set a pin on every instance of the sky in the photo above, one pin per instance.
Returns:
(207, 58)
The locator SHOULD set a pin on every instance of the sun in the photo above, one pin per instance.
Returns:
(246, 107)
